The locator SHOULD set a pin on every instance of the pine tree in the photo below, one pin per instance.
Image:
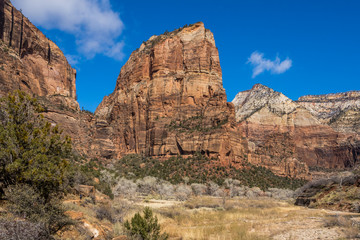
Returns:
(145, 227)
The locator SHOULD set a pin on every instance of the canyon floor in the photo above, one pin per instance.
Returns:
(217, 218)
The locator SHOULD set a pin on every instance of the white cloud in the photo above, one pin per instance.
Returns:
(262, 64)
(94, 24)
(72, 59)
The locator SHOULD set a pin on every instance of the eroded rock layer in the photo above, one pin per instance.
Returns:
(341, 110)
(30, 61)
(169, 100)
(288, 138)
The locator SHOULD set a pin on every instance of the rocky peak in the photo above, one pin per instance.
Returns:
(169, 100)
(188, 49)
(251, 101)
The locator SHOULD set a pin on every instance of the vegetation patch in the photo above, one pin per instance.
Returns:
(200, 169)
(195, 124)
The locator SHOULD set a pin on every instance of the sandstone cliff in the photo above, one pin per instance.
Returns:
(169, 100)
(282, 132)
(30, 62)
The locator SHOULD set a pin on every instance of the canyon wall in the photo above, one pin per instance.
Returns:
(30, 62)
(281, 131)
(341, 111)
(169, 100)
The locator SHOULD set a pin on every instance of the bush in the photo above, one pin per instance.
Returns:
(26, 202)
(165, 189)
(125, 187)
(198, 189)
(146, 185)
(237, 191)
(213, 189)
(183, 192)
(86, 173)
(144, 227)
(105, 212)
(14, 230)
(32, 151)
(120, 209)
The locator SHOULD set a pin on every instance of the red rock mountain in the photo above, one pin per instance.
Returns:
(169, 100)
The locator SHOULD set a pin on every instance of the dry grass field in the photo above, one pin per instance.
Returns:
(212, 218)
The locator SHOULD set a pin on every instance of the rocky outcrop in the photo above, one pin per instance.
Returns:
(169, 100)
(340, 192)
(286, 137)
(341, 110)
(30, 61)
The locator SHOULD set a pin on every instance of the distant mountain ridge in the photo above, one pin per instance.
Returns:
(320, 131)
(339, 110)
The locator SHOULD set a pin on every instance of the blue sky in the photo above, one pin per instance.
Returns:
(299, 47)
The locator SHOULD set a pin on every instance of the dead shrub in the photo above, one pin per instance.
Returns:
(26, 202)
(105, 212)
(14, 230)
(337, 221)
(207, 202)
(198, 189)
(183, 192)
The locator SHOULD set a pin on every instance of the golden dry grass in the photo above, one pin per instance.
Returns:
(212, 218)
(209, 218)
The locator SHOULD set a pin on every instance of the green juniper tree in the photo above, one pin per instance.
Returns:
(144, 227)
(32, 151)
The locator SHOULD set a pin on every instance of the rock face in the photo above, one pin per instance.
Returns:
(288, 138)
(340, 192)
(169, 100)
(341, 111)
(31, 62)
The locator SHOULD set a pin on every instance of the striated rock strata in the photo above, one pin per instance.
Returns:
(169, 100)
(341, 110)
(288, 138)
(30, 62)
